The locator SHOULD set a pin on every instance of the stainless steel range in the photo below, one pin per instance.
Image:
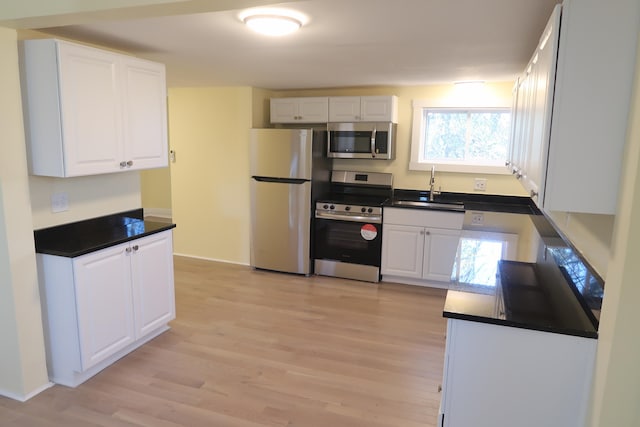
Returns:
(348, 225)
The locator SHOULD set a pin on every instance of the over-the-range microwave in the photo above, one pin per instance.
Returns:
(362, 140)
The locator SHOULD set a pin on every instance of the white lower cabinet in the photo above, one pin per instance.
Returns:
(100, 306)
(501, 376)
(419, 246)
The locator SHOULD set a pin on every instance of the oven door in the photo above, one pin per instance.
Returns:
(348, 241)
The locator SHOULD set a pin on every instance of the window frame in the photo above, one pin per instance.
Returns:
(417, 131)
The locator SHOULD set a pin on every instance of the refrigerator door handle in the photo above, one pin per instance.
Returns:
(280, 180)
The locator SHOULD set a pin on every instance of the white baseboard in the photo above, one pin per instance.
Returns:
(226, 261)
(159, 212)
(24, 398)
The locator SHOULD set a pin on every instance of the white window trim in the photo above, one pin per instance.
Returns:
(461, 167)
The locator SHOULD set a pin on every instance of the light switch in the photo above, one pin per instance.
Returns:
(59, 202)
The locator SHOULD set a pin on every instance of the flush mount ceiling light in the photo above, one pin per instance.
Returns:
(273, 22)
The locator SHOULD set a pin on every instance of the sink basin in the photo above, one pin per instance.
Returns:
(430, 205)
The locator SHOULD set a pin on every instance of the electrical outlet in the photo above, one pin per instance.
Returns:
(480, 184)
(59, 202)
(477, 218)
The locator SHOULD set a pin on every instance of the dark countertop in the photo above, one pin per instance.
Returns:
(82, 237)
(514, 269)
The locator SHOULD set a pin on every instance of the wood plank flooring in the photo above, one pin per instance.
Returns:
(253, 348)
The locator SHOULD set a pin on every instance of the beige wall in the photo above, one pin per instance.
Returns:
(89, 197)
(22, 355)
(492, 94)
(156, 183)
(616, 390)
(209, 131)
(155, 187)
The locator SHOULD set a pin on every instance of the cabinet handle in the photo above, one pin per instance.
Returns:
(123, 164)
(130, 163)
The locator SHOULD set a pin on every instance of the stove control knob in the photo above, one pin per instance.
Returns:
(370, 210)
(325, 207)
(347, 208)
(363, 210)
(332, 207)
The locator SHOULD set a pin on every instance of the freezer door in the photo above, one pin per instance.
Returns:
(281, 226)
(281, 153)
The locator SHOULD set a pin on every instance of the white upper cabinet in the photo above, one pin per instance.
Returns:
(145, 114)
(572, 105)
(299, 110)
(363, 109)
(90, 111)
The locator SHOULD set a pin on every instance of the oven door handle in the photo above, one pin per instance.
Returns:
(354, 218)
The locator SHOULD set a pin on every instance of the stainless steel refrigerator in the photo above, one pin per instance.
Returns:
(289, 170)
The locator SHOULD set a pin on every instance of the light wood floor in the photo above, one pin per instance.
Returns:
(254, 348)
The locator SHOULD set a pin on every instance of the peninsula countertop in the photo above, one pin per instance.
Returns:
(513, 268)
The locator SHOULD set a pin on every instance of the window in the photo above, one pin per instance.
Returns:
(461, 139)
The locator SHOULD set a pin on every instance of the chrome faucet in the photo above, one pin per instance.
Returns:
(432, 183)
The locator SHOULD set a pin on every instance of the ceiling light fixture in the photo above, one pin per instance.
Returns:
(272, 25)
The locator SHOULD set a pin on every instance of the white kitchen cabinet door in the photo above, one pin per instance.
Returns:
(299, 110)
(402, 250)
(90, 109)
(440, 249)
(145, 114)
(104, 303)
(379, 109)
(542, 87)
(72, 99)
(344, 109)
(363, 109)
(152, 282)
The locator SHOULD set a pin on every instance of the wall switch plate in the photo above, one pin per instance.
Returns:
(59, 202)
(477, 218)
(480, 184)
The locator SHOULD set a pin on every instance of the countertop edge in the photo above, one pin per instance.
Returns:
(105, 245)
(501, 322)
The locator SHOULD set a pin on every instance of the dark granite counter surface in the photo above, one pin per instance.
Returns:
(514, 269)
(82, 237)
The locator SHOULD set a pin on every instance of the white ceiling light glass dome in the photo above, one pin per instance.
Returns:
(273, 22)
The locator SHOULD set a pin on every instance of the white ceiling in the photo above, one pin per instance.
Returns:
(345, 43)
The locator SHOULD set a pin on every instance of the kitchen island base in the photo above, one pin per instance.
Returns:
(496, 376)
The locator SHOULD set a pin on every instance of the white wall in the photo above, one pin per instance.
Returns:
(22, 355)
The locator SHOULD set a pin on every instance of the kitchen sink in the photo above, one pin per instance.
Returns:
(452, 206)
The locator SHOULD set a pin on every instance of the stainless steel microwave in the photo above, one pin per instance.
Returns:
(362, 140)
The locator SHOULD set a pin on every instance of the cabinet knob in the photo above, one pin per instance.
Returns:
(130, 163)
(439, 388)
(519, 174)
(128, 250)
(123, 164)
(135, 247)
(507, 163)
(428, 233)
(534, 194)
